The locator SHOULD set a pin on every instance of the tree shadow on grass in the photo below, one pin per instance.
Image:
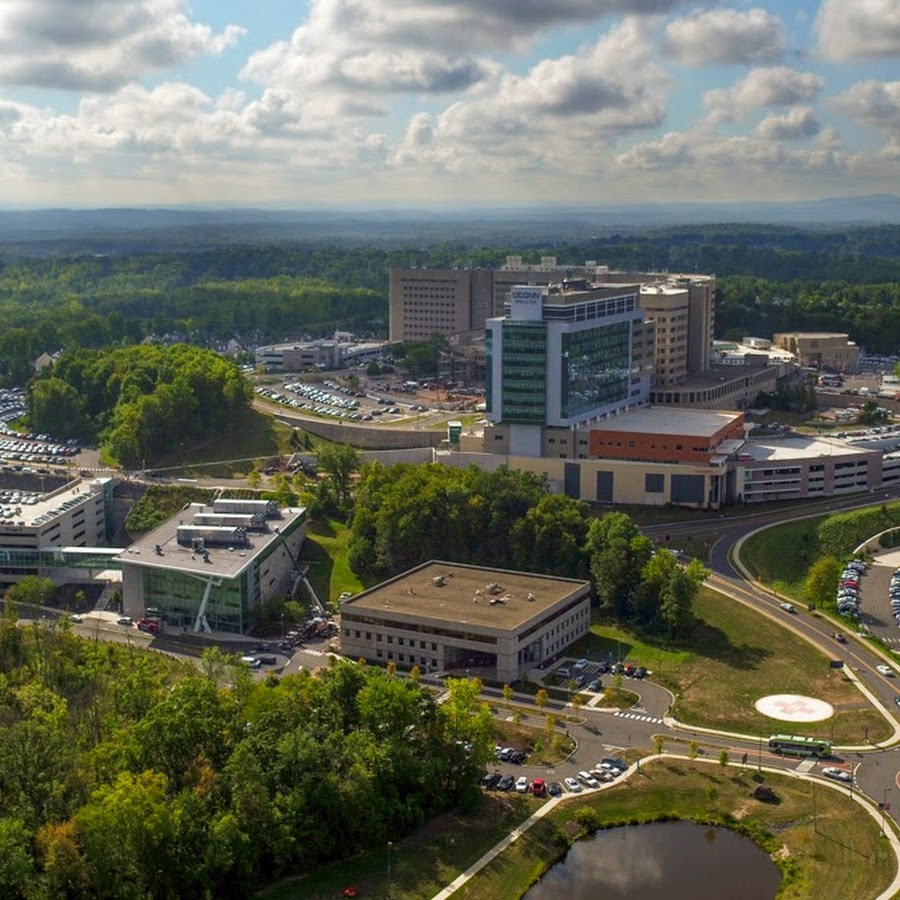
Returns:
(708, 641)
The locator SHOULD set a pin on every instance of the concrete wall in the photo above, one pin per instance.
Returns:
(366, 438)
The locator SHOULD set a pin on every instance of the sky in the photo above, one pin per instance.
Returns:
(454, 103)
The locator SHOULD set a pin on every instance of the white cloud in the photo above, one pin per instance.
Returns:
(725, 36)
(99, 45)
(875, 103)
(555, 118)
(771, 86)
(858, 29)
(798, 123)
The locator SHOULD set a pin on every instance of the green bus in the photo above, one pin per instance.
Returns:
(795, 745)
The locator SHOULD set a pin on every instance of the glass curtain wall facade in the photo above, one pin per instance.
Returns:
(524, 374)
(178, 597)
(596, 368)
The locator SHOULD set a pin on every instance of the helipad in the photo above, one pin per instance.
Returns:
(794, 708)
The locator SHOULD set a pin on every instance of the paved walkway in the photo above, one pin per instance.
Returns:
(870, 807)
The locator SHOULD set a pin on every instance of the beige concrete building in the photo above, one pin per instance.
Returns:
(681, 307)
(668, 309)
(820, 349)
(453, 618)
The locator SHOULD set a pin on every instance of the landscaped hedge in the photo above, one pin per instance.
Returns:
(840, 534)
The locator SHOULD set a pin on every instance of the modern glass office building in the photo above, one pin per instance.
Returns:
(209, 578)
(566, 354)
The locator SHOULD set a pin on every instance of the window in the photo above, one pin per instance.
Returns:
(654, 483)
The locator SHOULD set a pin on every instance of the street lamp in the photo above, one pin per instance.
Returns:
(389, 847)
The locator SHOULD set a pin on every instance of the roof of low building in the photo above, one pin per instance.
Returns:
(223, 561)
(467, 595)
(666, 420)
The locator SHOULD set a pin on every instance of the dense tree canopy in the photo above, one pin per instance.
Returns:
(770, 279)
(141, 401)
(116, 782)
(407, 514)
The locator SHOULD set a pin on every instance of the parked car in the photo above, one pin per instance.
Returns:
(491, 780)
(522, 785)
(614, 762)
(572, 785)
(580, 665)
(125, 620)
(554, 789)
(588, 780)
(506, 783)
(538, 787)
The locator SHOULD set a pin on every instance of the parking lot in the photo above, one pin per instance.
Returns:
(875, 606)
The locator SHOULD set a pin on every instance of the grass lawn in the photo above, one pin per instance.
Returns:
(254, 439)
(734, 657)
(326, 551)
(780, 556)
(840, 854)
(422, 863)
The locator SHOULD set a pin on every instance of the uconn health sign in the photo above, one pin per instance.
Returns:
(525, 301)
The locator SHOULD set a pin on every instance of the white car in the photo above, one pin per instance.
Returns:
(836, 773)
(887, 671)
(588, 780)
(788, 607)
(522, 785)
(572, 785)
(580, 665)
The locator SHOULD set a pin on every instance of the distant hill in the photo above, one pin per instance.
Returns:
(113, 230)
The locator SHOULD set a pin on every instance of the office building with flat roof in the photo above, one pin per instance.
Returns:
(820, 349)
(37, 526)
(207, 567)
(453, 618)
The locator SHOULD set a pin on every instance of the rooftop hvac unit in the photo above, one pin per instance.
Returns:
(268, 508)
(211, 535)
(250, 521)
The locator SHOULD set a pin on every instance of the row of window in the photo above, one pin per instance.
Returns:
(388, 639)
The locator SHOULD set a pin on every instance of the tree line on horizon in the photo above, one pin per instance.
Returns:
(771, 278)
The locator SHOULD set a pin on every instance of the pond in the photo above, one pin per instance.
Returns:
(675, 860)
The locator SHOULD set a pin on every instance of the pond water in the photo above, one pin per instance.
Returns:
(674, 860)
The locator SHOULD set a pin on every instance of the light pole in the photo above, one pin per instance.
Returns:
(389, 847)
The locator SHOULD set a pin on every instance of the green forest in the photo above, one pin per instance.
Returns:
(770, 278)
(139, 401)
(124, 776)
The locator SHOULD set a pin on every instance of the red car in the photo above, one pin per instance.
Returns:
(538, 788)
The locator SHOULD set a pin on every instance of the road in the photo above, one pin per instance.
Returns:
(876, 770)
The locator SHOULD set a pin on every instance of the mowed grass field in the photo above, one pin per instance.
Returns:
(839, 852)
(734, 657)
